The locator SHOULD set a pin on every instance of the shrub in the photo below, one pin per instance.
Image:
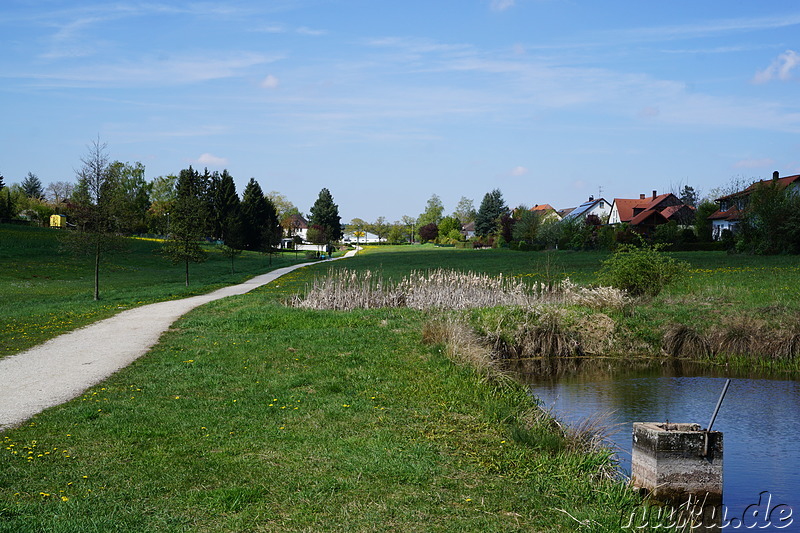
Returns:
(640, 271)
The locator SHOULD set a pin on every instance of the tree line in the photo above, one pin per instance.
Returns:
(111, 200)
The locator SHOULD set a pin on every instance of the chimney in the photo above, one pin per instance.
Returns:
(775, 175)
(591, 198)
(654, 195)
(641, 196)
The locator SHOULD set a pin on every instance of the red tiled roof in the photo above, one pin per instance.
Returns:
(731, 214)
(781, 182)
(644, 215)
(626, 206)
(543, 207)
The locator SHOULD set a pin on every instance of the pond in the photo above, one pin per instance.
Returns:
(760, 420)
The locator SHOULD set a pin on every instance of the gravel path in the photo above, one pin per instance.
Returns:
(62, 368)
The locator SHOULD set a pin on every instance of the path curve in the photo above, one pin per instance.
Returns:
(63, 367)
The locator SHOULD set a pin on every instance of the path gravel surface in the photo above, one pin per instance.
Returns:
(62, 368)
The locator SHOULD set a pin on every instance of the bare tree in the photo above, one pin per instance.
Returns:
(96, 210)
(58, 191)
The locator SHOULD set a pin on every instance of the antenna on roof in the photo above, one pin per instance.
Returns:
(600, 191)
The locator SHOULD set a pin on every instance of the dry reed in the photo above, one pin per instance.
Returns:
(344, 289)
(464, 347)
(742, 335)
(682, 341)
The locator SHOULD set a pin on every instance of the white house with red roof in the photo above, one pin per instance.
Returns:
(732, 206)
(645, 213)
(547, 212)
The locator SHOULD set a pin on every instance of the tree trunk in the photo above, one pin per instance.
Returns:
(187, 272)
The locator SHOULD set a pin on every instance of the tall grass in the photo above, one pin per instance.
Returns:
(345, 289)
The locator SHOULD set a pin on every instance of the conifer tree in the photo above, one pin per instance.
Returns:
(32, 186)
(261, 230)
(492, 207)
(6, 205)
(186, 225)
(325, 214)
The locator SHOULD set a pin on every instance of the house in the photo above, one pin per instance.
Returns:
(468, 230)
(547, 212)
(643, 214)
(364, 237)
(732, 206)
(598, 207)
(564, 212)
(294, 226)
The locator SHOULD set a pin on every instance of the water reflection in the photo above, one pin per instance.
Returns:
(759, 416)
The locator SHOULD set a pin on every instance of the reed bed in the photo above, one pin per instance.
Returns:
(344, 289)
(740, 336)
(464, 347)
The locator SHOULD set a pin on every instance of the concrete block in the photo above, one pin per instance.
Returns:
(672, 462)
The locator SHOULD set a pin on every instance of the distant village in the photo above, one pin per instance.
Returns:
(680, 220)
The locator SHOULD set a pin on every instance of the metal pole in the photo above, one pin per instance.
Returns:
(719, 403)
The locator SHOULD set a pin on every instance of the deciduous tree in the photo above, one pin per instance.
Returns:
(59, 191)
(96, 209)
(133, 196)
(162, 198)
(428, 232)
(433, 213)
(527, 226)
(465, 211)
(380, 228)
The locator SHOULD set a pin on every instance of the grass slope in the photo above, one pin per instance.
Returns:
(250, 416)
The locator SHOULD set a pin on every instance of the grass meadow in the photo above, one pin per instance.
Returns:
(250, 415)
(46, 291)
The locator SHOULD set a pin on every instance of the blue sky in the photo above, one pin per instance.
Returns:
(386, 103)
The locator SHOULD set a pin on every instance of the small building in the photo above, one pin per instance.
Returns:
(58, 221)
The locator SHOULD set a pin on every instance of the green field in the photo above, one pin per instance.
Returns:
(46, 291)
(253, 416)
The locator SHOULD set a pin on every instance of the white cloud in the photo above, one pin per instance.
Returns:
(156, 71)
(755, 163)
(519, 171)
(211, 160)
(781, 68)
(270, 82)
(309, 31)
(502, 5)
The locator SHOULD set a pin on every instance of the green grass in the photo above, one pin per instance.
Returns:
(46, 291)
(250, 416)
(253, 416)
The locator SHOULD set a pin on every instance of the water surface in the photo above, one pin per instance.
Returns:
(760, 419)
